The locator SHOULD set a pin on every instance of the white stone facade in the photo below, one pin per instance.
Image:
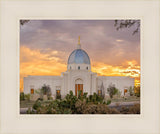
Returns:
(120, 82)
(36, 82)
(78, 76)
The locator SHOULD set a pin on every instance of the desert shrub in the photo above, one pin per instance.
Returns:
(119, 93)
(82, 97)
(89, 108)
(80, 93)
(137, 91)
(124, 110)
(67, 111)
(67, 103)
(71, 99)
(49, 110)
(45, 109)
(42, 109)
(135, 109)
(53, 107)
(27, 97)
(46, 90)
(30, 111)
(71, 104)
(85, 95)
(112, 90)
(50, 96)
(40, 92)
(114, 111)
(80, 105)
(102, 109)
(95, 98)
(37, 104)
(21, 96)
(108, 102)
(131, 91)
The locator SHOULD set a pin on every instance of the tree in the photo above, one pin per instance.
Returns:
(39, 91)
(137, 91)
(21, 96)
(22, 22)
(46, 90)
(27, 97)
(120, 24)
(112, 90)
(119, 93)
(131, 91)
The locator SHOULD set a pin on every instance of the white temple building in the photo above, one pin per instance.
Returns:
(78, 77)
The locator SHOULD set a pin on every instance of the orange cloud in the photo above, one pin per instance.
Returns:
(33, 62)
(128, 68)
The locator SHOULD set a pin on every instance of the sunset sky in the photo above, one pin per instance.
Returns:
(45, 46)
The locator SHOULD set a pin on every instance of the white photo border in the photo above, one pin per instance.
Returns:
(147, 122)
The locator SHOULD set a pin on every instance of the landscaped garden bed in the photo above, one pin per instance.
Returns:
(82, 104)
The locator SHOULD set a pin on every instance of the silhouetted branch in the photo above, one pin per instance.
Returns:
(120, 24)
(22, 22)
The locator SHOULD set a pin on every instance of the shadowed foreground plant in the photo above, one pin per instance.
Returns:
(135, 109)
(71, 104)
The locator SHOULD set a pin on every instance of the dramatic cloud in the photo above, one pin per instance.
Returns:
(46, 45)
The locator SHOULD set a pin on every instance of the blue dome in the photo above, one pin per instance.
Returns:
(79, 56)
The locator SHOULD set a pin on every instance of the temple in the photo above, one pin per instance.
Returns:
(78, 76)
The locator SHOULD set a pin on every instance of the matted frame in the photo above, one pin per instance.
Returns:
(147, 122)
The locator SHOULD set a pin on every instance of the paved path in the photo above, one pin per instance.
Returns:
(124, 103)
(23, 110)
(118, 105)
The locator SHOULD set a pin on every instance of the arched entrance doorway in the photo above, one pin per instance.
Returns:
(78, 86)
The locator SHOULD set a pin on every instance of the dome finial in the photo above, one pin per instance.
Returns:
(79, 40)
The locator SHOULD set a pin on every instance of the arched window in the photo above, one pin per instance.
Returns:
(87, 68)
(78, 67)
